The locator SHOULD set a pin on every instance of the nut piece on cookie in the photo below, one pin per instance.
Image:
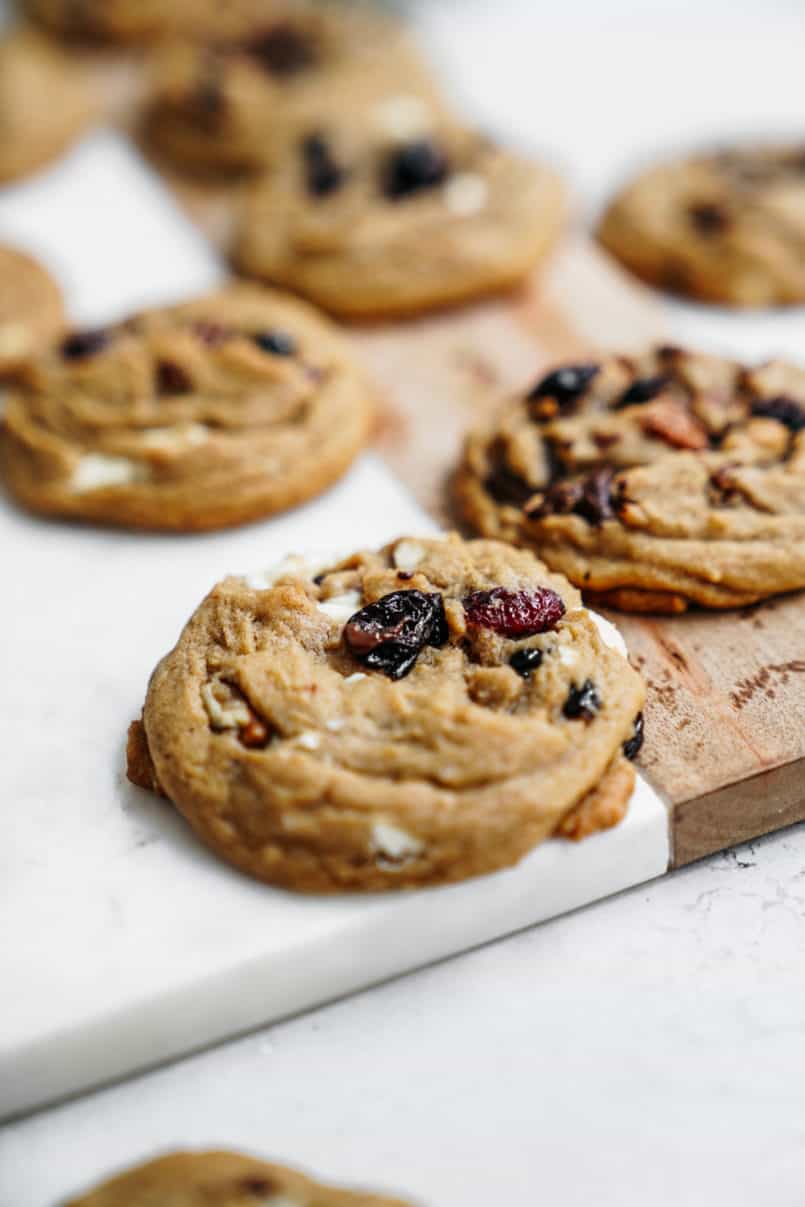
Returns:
(221, 1179)
(371, 218)
(722, 227)
(194, 417)
(653, 482)
(348, 725)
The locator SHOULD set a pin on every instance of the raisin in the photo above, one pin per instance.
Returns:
(389, 635)
(283, 50)
(560, 390)
(642, 390)
(417, 165)
(277, 343)
(632, 748)
(784, 410)
(172, 378)
(257, 1186)
(323, 175)
(582, 702)
(560, 499)
(83, 344)
(525, 661)
(708, 217)
(514, 614)
(505, 486)
(595, 504)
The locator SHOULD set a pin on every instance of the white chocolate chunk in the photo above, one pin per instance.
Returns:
(401, 117)
(568, 656)
(408, 554)
(335, 724)
(341, 607)
(295, 565)
(393, 843)
(175, 439)
(229, 716)
(309, 740)
(466, 194)
(95, 471)
(356, 678)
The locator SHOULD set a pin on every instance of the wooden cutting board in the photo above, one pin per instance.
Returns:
(726, 706)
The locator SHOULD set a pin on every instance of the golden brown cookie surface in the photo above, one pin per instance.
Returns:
(221, 1179)
(413, 716)
(198, 416)
(146, 20)
(726, 227)
(651, 482)
(243, 104)
(31, 309)
(44, 103)
(399, 213)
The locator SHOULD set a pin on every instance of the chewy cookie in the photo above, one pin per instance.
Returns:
(395, 217)
(198, 416)
(31, 309)
(413, 716)
(242, 104)
(221, 1179)
(44, 103)
(726, 227)
(652, 482)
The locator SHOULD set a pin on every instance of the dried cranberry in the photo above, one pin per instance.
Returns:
(172, 378)
(564, 386)
(417, 165)
(283, 50)
(389, 635)
(322, 174)
(525, 661)
(582, 702)
(632, 748)
(708, 217)
(83, 344)
(642, 390)
(276, 343)
(514, 614)
(784, 410)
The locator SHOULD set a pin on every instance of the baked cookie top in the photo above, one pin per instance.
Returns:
(395, 219)
(241, 104)
(196, 416)
(146, 20)
(652, 482)
(44, 103)
(725, 227)
(221, 1179)
(412, 716)
(31, 309)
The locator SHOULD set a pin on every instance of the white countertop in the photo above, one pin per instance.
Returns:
(645, 1050)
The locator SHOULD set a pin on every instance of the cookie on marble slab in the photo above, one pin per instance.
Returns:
(244, 104)
(653, 482)
(31, 309)
(197, 416)
(417, 715)
(392, 215)
(221, 1179)
(45, 103)
(723, 227)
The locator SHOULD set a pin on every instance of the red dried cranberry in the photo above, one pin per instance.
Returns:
(276, 343)
(389, 635)
(514, 614)
(632, 748)
(642, 390)
(83, 344)
(172, 378)
(283, 50)
(417, 165)
(582, 702)
(565, 385)
(525, 661)
(322, 174)
(784, 410)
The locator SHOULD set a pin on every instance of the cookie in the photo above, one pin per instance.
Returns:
(412, 716)
(726, 227)
(221, 1179)
(652, 482)
(44, 103)
(240, 105)
(31, 309)
(374, 221)
(194, 417)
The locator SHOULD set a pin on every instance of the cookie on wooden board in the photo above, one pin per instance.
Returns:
(197, 416)
(653, 482)
(417, 715)
(221, 1179)
(722, 227)
(31, 309)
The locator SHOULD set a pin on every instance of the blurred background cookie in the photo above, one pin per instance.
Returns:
(31, 309)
